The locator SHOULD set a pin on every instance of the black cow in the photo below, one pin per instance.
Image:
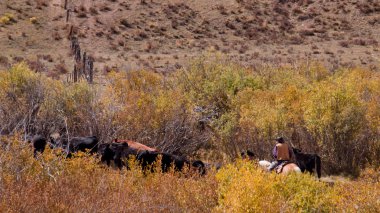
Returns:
(308, 162)
(216, 166)
(200, 166)
(148, 158)
(83, 143)
(247, 155)
(120, 150)
(106, 153)
(76, 144)
(116, 152)
(39, 143)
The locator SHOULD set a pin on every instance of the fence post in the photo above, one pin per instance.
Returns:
(67, 15)
(75, 73)
(77, 53)
(71, 32)
(91, 69)
(87, 68)
(84, 65)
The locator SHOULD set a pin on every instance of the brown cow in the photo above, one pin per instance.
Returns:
(136, 145)
(118, 150)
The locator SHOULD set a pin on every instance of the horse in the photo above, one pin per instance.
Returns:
(308, 162)
(286, 169)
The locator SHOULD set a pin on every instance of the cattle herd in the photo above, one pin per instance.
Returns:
(119, 152)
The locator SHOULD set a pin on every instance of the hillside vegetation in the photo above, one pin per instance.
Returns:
(212, 110)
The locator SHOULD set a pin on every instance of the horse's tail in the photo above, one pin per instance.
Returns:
(318, 165)
(297, 169)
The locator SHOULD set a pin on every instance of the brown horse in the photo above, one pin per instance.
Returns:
(288, 168)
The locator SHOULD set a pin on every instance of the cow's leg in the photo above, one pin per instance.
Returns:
(105, 159)
(118, 163)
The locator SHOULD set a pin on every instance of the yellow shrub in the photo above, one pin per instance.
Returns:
(52, 182)
(6, 19)
(218, 107)
(245, 188)
(142, 101)
(33, 20)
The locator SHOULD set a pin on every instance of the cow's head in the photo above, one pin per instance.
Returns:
(55, 139)
(200, 166)
(103, 147)
(247, 155)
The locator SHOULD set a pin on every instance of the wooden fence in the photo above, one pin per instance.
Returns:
(84, 64)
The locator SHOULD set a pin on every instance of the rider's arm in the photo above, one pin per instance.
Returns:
(274, 152)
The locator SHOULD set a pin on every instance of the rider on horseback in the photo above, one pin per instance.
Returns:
(281, 152)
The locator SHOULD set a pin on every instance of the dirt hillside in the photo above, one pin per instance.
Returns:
(163, 35)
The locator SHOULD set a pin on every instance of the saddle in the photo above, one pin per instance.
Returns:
(281, 166)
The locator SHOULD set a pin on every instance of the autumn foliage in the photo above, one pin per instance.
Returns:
(52, 183)
(210, 110)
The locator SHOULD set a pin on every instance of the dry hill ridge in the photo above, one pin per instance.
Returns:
(163, 35)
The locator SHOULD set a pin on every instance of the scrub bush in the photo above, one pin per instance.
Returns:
(245, 188)
(211, 109)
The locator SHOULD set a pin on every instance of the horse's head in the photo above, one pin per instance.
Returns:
(297, 151)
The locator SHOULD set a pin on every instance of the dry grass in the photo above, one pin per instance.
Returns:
(54, 184)
(51, 183)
